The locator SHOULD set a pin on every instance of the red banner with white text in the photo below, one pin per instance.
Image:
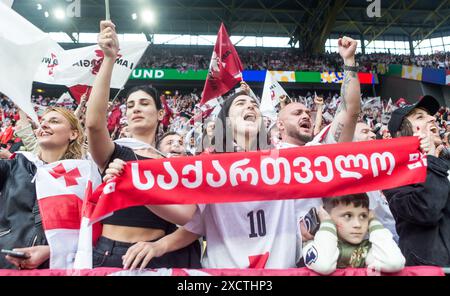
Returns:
(301, 172)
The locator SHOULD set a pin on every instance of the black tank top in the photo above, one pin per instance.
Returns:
(138, 216)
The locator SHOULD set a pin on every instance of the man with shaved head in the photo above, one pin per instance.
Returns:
(294, 120)
(295, 124)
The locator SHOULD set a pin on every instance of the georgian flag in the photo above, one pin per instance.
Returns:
(81, 65)
(61, 188)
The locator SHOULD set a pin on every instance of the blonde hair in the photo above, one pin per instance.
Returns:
(75, 149)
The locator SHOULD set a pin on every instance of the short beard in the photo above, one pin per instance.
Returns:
(293, 133)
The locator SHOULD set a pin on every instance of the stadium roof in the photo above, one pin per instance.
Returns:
(309, 22)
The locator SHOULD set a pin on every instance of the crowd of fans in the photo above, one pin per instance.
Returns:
(185, 116)
(287, 60)
(383, 230)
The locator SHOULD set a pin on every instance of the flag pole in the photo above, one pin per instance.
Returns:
(108, 15)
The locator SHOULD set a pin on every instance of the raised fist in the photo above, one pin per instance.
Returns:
(347, 47)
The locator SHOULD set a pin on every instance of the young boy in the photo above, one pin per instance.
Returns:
(341, 239)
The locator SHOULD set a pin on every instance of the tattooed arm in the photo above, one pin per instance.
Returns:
(343, 125)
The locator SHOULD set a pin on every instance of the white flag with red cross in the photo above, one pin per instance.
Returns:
(61, 188)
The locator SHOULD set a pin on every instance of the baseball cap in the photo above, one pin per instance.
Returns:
(427, 102)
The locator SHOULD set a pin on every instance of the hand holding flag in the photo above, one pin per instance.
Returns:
(107, 39)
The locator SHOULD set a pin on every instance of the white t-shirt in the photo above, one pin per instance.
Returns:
(261, 234)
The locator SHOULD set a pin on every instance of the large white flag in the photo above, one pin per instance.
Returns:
(61, 189)
(271, 96)
(8, 3)
(22, 47)
(81, 65)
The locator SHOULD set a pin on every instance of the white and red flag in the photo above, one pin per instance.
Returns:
(22, 46)
(61, 189)
(81, 65)
(271, 96)
(225, 69)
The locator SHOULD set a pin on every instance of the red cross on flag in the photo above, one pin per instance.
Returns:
(70, 177)
(61, 189)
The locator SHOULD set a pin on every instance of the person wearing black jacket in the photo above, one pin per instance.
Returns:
(60, 136)
(422, 211)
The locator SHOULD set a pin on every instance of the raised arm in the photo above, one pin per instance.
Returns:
(83, 101)
(25, 132)
(343, 125)
(101, 145)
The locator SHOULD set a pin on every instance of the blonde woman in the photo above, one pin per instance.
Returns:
(59, 137)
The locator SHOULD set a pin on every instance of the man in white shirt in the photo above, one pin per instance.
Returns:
(295, 123)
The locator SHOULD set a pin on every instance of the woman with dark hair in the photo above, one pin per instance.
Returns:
(239, 126)
(260, 234)
(144, 112)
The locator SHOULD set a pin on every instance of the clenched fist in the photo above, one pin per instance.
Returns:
(347, 50)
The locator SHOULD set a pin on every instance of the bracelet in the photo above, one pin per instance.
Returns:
(351, 68)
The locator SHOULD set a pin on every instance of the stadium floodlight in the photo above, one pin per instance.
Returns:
(46, 14)
(59, 13)
(148, 16)
(39, 6)
(134, 16)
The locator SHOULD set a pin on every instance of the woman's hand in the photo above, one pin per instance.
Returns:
(37, 256)
(142, 252)
(107, 39)
(114, 169)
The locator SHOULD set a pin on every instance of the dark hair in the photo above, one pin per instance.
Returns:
(149, 90)
(223, 130)
(405, 130)
(158, 143)
(357, 200)
(205, 141)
